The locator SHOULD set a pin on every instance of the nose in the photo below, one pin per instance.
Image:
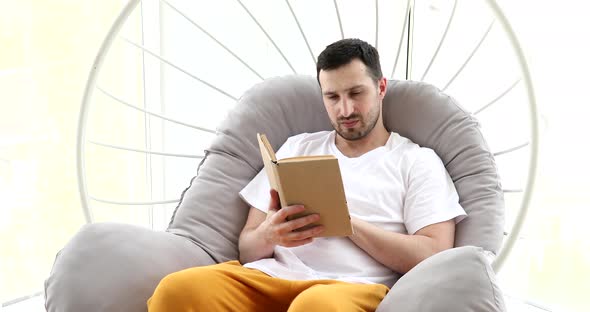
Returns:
(347, 107)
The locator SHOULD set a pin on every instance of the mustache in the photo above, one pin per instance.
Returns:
(351, 117)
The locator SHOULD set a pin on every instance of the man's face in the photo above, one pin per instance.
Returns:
(352, 99)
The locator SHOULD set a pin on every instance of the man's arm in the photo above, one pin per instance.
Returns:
(263, 231)
(401, 252)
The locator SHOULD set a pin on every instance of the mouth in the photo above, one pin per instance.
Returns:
(349, 123)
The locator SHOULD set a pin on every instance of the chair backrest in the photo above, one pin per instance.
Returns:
(212, 215)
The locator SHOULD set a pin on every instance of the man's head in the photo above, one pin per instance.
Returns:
(353, 87)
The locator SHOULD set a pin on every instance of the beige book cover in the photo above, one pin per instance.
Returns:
(312, 181)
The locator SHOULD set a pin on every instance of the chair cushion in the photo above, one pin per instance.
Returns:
(458, 279)
(116, 267)
(212, 214)
(124, 263)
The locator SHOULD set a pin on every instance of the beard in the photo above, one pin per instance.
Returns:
(365, 124)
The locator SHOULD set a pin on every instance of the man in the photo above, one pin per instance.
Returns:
(402, 203)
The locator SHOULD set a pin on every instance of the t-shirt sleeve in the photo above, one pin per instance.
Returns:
(431, 196)
(257, 192)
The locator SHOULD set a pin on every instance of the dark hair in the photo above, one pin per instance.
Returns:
(344, 51)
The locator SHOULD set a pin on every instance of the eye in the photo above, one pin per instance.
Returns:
(333, 97)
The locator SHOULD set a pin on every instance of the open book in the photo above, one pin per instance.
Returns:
(312, 181)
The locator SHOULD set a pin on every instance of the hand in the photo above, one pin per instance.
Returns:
(277, 230)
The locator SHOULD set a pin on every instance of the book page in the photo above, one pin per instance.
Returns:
(305, 158)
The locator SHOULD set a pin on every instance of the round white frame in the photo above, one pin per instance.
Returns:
(519, 221)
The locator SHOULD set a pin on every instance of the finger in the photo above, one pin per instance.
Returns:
(275, 203)
(297, 243)
(299, 222)
(301, 235)
(285, 212)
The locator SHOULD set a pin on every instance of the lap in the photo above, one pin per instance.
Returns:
(231, 287)
(339, 296)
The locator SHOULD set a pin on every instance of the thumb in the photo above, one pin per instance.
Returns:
(275, 203)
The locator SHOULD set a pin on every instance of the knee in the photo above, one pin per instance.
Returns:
(169, 294)
(315, 298)
(183, 290)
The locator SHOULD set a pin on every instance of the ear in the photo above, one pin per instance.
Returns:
(382, 87)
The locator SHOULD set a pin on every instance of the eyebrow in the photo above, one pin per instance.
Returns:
(334, 92)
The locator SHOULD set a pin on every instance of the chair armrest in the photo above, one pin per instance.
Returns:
(457, 279)
(116, 267)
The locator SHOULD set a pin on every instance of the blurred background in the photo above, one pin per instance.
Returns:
(46, 53)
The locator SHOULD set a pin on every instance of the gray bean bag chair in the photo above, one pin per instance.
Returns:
(116, 267)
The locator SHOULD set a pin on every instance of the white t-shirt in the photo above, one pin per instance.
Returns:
(400, 187)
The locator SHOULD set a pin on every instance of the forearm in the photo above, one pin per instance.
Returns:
(399, 252)
(252, 246)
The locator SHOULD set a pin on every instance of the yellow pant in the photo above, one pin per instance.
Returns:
(231, 287)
